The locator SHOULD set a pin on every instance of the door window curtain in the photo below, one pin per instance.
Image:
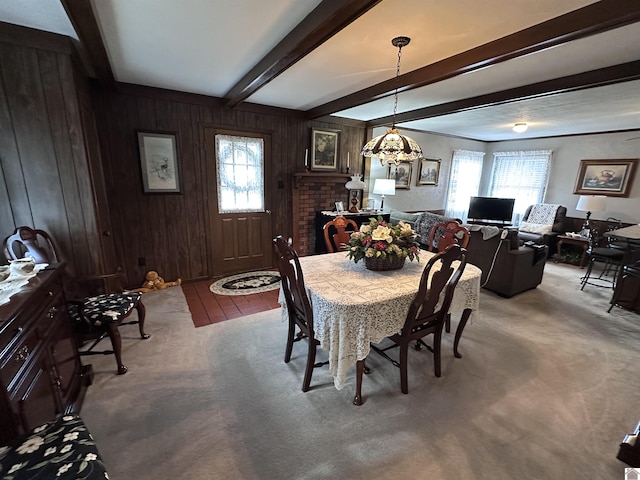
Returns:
(464, 182)
(522, 175)
(240, 174)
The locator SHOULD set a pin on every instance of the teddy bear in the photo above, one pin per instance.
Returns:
(153, 282)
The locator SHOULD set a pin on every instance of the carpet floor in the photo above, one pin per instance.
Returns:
(546, 389)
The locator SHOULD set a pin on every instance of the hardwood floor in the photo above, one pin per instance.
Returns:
(207, 307)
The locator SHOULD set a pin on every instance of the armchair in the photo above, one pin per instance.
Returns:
(507, 268)
(543, 232)
(94, 316)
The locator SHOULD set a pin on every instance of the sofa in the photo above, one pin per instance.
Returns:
(543, 234)
(517, 267)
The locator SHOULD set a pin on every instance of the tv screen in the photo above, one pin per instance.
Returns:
(489, 208)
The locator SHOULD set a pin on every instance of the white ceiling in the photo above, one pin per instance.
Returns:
(206, 46)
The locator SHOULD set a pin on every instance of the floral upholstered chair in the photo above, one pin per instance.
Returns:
(63, 449)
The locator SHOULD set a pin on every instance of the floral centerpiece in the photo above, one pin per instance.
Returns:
(383, 246)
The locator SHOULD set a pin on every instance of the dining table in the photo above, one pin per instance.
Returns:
(354, 307)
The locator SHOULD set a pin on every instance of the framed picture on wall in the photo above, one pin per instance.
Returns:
(401, 174)
(428, 171)
(612, 178)
(159, 162)
(324, 150)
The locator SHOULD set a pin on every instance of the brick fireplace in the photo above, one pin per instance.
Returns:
(314, 192)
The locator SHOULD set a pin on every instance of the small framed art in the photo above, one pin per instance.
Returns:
(339, 207)
(325, 150)
(428, 171)
(612, 178)
(159, 162)
(401, 174)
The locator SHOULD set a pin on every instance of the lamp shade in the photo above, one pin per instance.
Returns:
(592, 203)
(392, 147)
(355, 183)
(384, 186)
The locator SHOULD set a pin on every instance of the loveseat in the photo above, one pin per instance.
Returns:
(543, 234)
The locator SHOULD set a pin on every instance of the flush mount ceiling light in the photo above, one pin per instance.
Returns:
(392, 147)
(520, 127)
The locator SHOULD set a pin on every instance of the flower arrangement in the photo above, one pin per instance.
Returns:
(383, 240)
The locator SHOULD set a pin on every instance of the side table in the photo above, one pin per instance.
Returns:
(580, 241)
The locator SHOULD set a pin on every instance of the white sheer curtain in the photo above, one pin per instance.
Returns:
(464, 182)
(240, 167)
(522, 175)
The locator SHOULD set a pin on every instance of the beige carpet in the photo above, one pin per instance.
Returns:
(547, 388)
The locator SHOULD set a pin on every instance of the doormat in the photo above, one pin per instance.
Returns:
(246, 283)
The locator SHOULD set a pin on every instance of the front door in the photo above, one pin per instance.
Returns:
(239, 203)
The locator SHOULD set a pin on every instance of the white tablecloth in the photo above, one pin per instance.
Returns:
(353, 306)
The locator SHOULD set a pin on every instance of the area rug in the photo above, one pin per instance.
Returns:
(247, 283)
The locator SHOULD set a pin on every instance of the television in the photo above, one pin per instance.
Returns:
(491, 209)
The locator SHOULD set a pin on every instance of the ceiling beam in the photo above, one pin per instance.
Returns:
(327, 19)
(83, 19)
(572, 83)
(592, 19)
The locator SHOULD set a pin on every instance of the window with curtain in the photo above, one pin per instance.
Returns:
(464, 182)
(521, 175)
(240, 168)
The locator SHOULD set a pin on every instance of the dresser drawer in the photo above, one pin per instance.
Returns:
(27, 332)
(17, 357)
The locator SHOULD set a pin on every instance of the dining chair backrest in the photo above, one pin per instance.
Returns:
(440, 275)
(292, 282)
(445, 234)
(27, 242)
(343, 227)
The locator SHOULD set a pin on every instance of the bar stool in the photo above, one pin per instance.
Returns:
(610, 255)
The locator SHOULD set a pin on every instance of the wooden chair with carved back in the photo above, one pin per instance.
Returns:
(426, 316)
(445, 234)
(95, 313)
(343, 228)
(298, 306)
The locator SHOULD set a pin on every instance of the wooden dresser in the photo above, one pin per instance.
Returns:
(40, 371)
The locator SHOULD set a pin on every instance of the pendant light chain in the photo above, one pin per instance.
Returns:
(395, 95)
(393, 147)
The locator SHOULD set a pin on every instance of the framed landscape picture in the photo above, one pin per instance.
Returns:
(159, 162)
(428, 171)
(401, 174)
(612, 178)
(324, 151)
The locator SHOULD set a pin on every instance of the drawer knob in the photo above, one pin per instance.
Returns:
(50, 294)
(22, 354)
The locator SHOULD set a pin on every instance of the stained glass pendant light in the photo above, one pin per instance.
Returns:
(393, 147)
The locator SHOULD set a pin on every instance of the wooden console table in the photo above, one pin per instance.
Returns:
(580, 241)
(40, 371)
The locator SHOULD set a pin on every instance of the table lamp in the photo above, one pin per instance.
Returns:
(382, 187)
(591, 203)
(354, 185)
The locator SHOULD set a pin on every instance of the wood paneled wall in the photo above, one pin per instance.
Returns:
(47, 179)
(172, 232)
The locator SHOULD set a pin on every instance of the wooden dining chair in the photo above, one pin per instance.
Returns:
(426, 316)
(95, 313)
(445, 234)
(298, 306)
(343, 228)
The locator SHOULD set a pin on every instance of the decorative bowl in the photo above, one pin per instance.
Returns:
(22, 266)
